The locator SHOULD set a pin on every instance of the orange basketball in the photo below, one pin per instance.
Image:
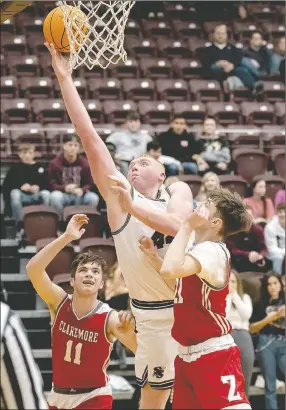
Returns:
(55, 31)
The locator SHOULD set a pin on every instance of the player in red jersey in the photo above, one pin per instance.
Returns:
(208, 371)
(83, 328)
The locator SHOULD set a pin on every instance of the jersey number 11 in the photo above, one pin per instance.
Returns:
(77, 355)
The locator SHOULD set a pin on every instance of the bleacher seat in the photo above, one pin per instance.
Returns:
(224, 113)
(138, 89)
(132, 28)
(170, 48)
(278, 157)
(40, 221)
(105, 88)
(273, 136)
(7, 27)
(187, 68)
(156, 28)
(23, 65)
(172, 90)
(36, 45)
(249, 137)
(16, 110)
(257, 113)
(3, 65)
(127, 69)
(100, 246)
(197, 44)
(205, 90)
(273, 30)
(193, 181)
(274, 91)
(250, 162)
(243, 30)
(280, 112)
(235, 183)
(80, 84)
(194, 112)
(156, 68)
(137, 47)
(180, 10)
(155, 112)
(116, 111)
(9, 87)
(49, 110)
(31, 132)
(186, 29)
(94, 228)
(13, 43)
(9, 258)
(94, 109)
(29, 24)
(262, 11)
(36, 87)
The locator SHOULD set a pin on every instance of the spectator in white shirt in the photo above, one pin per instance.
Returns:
(274, 234)
(238, 312)
(155, 151)
(130, 142)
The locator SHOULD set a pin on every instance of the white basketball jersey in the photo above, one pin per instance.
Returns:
(142, 280)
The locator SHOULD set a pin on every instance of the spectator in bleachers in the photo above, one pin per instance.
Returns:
(279, 197)
(222, 61)
(238, 312)
(70, 178)
(215, 153)
(278, 55)
(257, 56)
(155, 151)
(248, 250)
(130, 142)
(177, 142)
(274, 233)
(268, 320)
(112, 150)
(25, 183)
(210, 182)
(262, 207)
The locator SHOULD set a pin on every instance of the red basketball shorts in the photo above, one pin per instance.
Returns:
(213, 381)
(97, 402)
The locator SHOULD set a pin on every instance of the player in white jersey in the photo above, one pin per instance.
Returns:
(154, 212)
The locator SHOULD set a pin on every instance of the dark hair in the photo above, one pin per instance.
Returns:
(133, 116)
(153, 145)
(281, 207)
(264, 294)
(255, 181)
(70, 137)
(231, 209)
(178, 117)
(88, 257)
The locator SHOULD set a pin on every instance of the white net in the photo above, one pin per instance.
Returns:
(96, 31)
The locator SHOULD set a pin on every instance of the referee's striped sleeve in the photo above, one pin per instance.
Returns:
(21, 381)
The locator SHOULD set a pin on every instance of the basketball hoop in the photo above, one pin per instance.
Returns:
(98, 37)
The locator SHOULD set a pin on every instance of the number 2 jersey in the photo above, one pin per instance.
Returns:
(80, 348)
(200, 300)
(144, 283)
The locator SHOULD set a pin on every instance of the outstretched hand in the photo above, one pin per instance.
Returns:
(74, 229)
(146, 245)
(126, 321)
(60, 65)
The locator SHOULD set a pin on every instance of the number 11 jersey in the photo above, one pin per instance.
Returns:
(80, 348)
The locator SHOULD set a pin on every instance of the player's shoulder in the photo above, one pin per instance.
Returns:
(103, 308)
(180, 188)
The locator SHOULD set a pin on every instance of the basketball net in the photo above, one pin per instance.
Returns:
(96, 31)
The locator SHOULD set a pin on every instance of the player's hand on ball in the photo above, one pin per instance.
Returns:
(199, 217)
(60, 65)
(126, 321)
(74, 229)
(146, 245)
(121, 188)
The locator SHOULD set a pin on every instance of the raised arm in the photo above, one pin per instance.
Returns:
(36, 268)
(100, 161)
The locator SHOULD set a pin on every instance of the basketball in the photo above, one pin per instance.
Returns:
(55, 31)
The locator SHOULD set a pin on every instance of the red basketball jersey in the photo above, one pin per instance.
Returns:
(200, 309)
(80, 348)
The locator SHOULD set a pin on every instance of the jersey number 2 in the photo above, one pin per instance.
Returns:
(232, 387)
(77, 355)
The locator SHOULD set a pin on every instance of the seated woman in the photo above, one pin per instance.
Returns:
(278, 55)
(262, 207)
(268, 320)
(238, 312)
(210, 182)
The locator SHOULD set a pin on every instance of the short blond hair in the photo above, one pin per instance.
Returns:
(26, 146)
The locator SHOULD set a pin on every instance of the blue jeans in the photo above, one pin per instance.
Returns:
(19, 199)
(190, 168)
(247, 63)
(61, 199)
(241, 72)
(271, 353)
(275, 61)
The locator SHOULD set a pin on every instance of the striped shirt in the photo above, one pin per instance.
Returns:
(21, 381)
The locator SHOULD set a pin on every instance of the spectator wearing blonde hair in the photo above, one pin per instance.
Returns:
(210, 182)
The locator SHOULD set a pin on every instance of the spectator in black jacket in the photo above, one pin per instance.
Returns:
(181, 145)
(223, 61)
(25, 183)
(257, 56)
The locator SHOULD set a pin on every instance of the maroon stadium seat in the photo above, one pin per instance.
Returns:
(40, 221)
(9, 87)
(129, 69)
(193, 181)
(94, 109)
(105, 88)
(116, 111)
(8, 27)
(186, 29)
(278, 157)
(273, 30)
(262, 11)
(141, 47)
(94, 228)
(244, 30)
(29, 24)
(13, 43)
(23, 65)
(138, 89)
(101, 247)
(172, 90)
(224, 113)
(3, 64)
(245, 137)
(257, 113)
(250, 162)
(169, 48)
(194, 112)
(187, 68)
(80, 83)
(155, 112)
(205, 90)
(156, 68)
(36, 45)
(49, 110)
(61, 263)
(157, 28)
(16, 110)
(196, 44)
(274, 91)
(36, 87)
(273, 136)
(5, 142)
(29, 133)
(234, 183)
(273, 184)
(132, 28)
(180, 10)
(280, 112)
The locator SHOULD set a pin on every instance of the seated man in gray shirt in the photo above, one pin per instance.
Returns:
(130, 142)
